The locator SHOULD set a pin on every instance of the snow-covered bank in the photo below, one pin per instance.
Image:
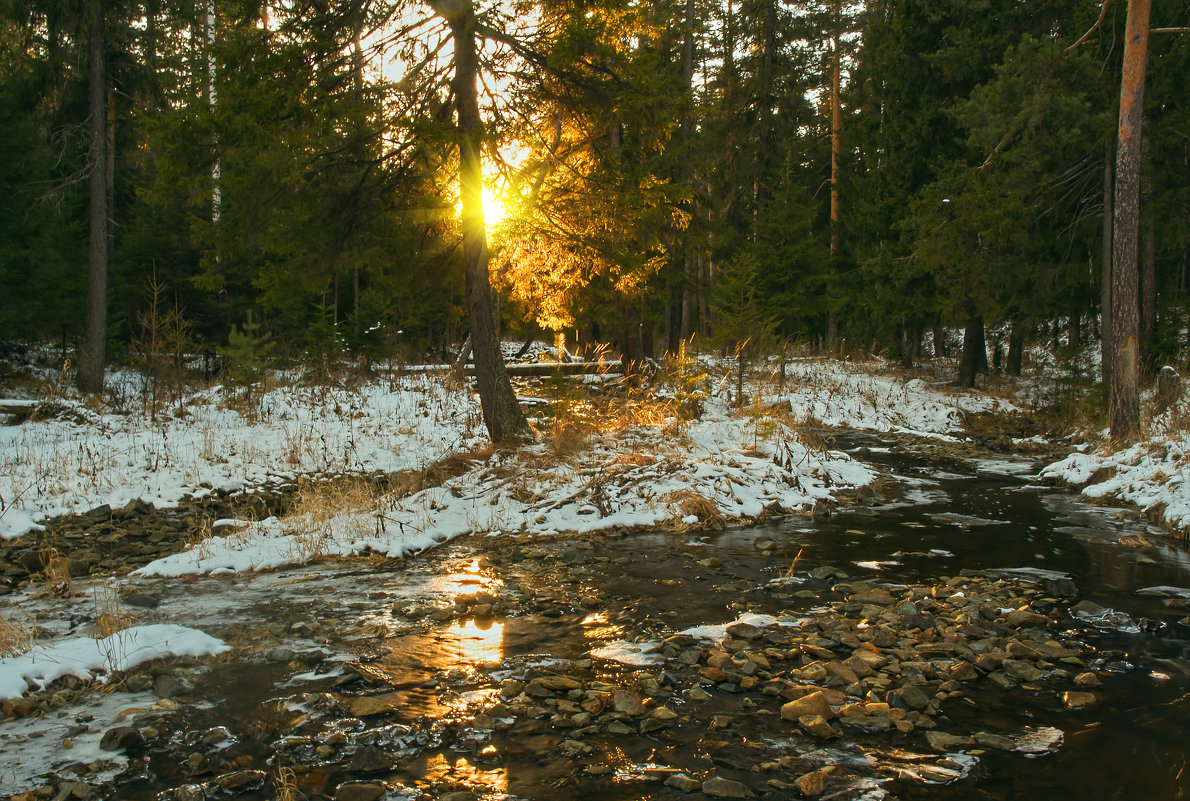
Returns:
(1153, 475)
(724, 467)
(858, 395)
(60, 466)
(86, 658)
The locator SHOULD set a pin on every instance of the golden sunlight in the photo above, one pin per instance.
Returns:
(493, 210)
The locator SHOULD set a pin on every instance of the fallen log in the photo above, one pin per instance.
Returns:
(563, 368)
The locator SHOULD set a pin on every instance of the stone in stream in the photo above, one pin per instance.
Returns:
(121, 737)
(680, 781)
(941, 741)
(718, 787)
(369, 759)
(812, 704)
(997, 741)
(813, 784)
(1087, 679)
(360, 791)
(816, 726)
(744, 631)
(627, 703)
(241, 779)
(1078, 700)
(908, 697)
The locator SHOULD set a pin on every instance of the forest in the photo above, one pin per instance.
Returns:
(854, 177)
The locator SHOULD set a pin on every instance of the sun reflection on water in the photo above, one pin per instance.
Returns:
(478, 644)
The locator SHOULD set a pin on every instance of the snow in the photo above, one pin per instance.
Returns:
(88, 658)
(58, 466)
(1153, 475)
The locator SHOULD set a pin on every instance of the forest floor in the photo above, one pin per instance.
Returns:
(217, 483)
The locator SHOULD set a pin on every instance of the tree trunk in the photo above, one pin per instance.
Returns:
(1148, 287)
(502, 414)
(832, 316)
(92, 357)
(1105, 316)
(1016, 348)
(939, 341)
(1124, 402)
(907, 334)
(974, 347)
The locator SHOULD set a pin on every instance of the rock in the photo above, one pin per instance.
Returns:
(908, 697)
(627, 703)
(664, 713)
(813, 784)
(1087, 609)
(369, 759)
(875, 596)
(1019, 618)
(241, 779)
(166, 686)
(997, 741)
(812, 704)
(368, 705)
(189, 792)
(842, 672)
(744, 631)
(121, 737)
(725, 788)
(680, 781)
(765, 544)
(616, 727)
(816, 726)
(1078, 700)
(698, 694)
(280, 655)
(360, 791)
(73, 790)
(1087, 679)
(941, 741)
(557, 683)
(142, 600)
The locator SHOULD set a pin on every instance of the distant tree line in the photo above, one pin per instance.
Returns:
(848, 175)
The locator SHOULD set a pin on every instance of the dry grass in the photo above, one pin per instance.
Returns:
(113, 615)
(690, 503)
(55, 573)
(16, 638)
(285, 785)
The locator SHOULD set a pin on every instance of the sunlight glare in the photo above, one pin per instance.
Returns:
(493, 210)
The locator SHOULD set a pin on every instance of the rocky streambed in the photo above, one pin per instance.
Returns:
(961, 632)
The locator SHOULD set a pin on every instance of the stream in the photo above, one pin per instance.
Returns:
(356, 680)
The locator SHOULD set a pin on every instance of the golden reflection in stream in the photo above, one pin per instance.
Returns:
(478, 645)
(445, 767)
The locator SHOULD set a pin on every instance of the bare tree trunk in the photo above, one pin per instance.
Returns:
(501, 413)
(1016, 348)
(1105, 315)
(832, 316)
(92, 357)
(939, 341)
(975, 352)
(1124, 401)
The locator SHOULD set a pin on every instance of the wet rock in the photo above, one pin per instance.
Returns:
(458, 795)
(557, 683)
(616, 727)
(627, 703)
(1078, 700)
(142, 600)
(908, 697)
(814, 784)
(241, 780)
(841, 672)
(368, 705)
(875, 596)
(369, 759)
(280, 655)
(816, 726)
(188, 792)
(718, 787)
(121, 737)
(360, 791)
(997, 741)
(941, 741)
(18, 707)
(812, 704)
(1020, 618)
(681, 781)
(1087, 679)
(744, 631)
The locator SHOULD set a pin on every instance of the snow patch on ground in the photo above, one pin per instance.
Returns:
(59, 466)
(88, 658)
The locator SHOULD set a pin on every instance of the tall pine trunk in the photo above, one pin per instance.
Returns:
(1105, 273)
(832, 315)
(92, 357)
(1124, 400)
(502, 414)
(974, 352)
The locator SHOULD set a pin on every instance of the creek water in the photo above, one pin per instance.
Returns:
(556, 601)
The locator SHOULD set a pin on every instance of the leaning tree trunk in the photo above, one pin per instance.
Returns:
(501, 413)
(91, 359)
(1124, 400)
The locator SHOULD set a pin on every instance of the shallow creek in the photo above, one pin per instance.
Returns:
(352, 678)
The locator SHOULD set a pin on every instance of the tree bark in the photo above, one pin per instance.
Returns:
(973, 347)
(1016, 349)
(1105, 316)
(832, 315)
(92, 357)
(939, 341)
(502, 414)
(1124, 400)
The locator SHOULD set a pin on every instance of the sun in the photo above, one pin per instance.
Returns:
(493, 209)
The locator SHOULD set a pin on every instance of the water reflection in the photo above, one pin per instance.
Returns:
(477, 643)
